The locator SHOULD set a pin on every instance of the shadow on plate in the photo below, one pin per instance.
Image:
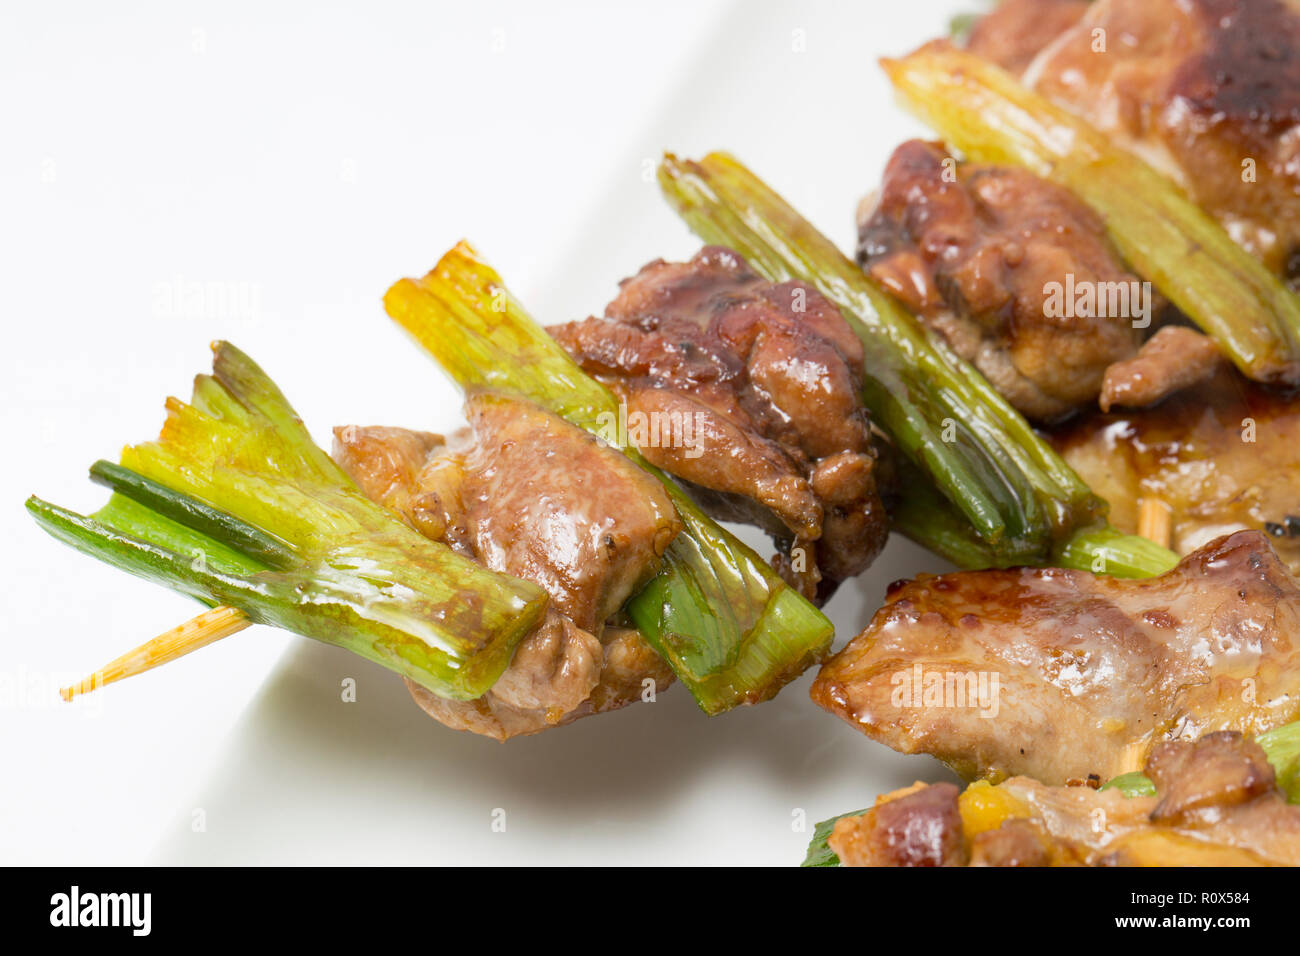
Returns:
(307, 773)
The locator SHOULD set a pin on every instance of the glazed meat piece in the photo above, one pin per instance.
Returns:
(1221, 456)
(1173, 359)
(1220, 771)
(926, 825)
(1064, 675)
(1216, 804)
(920, 828)
(1206, 90)
(749, 392)
(1014, 32)
(530, 495)
(620, 675)
(1015, 273)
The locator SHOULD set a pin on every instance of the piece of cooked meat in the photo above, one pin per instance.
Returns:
(1014, 272)
(1223, 455)
(1216, 804)
(1197, 781)
(1062, 675)
(1015, 31)
(922, 828)
(628, 667)
(751, 391)
(1173, 359)
(1206, 90)
(527, 494)
(556, 668)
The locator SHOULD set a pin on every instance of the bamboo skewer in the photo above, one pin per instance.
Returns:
(1134, 757)
(1155, 521)
(1155, 518)
(207, 628)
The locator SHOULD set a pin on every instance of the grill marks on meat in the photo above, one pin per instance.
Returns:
(1197, 87)
(529, 495)
(1216, 803)
(975, 249)
(768, 378)
(1091, 671)
(1224, 455)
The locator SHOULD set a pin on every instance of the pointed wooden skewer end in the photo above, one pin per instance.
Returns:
(200, 631)
(1155, 521)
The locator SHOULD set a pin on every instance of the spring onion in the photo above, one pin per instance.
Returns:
(982, 110)
(733, 631)
(986, 490)
(236, 506)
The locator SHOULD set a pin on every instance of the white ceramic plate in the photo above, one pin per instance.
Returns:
(315, 160)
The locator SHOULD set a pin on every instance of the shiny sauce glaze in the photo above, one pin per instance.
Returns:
(1224, 455)
(1064, 675)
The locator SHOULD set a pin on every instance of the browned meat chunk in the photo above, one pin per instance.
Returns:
(1014, 272)
(1015, 843)
(1239, 817)
(626, 669)
(631, 668)
(547, 502)
(1175, 358)
(529, 495)
(922, 828)
(1017, 30)
(750, 392)
(555, 670)
(1223, 455)
(1208, 91)
(384, 462)
(1196, 781)
(1062, 675)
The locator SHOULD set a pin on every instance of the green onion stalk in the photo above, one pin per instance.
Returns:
(733, 631)
(234, 505)
(983, 111)
(981, 487)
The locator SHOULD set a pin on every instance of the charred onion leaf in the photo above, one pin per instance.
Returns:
(819, 850)
(733, 631)
(234, 504)
(983, 111)
(982, 487)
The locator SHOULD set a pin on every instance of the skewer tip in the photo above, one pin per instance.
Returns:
(210, 626)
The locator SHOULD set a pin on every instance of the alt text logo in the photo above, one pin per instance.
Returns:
(918, 688)
(673, 429)
(1098, 300)
(102, 909)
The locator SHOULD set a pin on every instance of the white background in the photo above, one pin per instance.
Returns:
(173, 173)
